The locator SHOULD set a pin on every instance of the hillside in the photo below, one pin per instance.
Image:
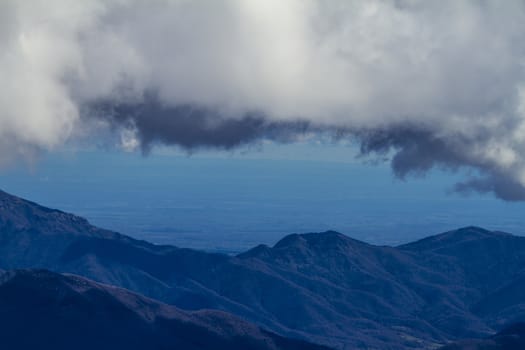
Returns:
(69, 312)
(510, 338)
(324, 287)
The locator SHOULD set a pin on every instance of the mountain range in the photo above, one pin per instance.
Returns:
(43, 309)
(324, 288)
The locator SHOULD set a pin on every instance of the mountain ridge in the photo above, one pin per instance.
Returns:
(323, 287)
(65, 311)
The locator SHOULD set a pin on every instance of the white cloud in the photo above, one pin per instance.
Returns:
(441, 81)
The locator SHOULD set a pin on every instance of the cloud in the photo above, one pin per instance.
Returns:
(433, 84)
(150, 121)
(501, 186)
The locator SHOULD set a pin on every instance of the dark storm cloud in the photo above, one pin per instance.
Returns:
(193, 128)
(415, 150)
(501, 186)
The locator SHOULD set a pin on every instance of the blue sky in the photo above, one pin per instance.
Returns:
(230, 201)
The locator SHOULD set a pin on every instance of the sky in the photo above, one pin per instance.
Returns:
(429, 91)
(232, 201)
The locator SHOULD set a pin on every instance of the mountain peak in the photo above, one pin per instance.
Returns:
(327, 241)
(20, 215)
(318, 241)
(449, 238)
(10, 201)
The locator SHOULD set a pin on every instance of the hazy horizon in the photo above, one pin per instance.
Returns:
(232, 201)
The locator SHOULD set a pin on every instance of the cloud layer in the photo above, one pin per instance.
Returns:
(435, 83)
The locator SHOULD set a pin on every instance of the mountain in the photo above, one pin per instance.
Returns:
(510, 338)
(322, 287)
(40, 308)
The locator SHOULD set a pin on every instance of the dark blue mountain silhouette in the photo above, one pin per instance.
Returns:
(510, 338)
(44, 310)
(323, 287)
